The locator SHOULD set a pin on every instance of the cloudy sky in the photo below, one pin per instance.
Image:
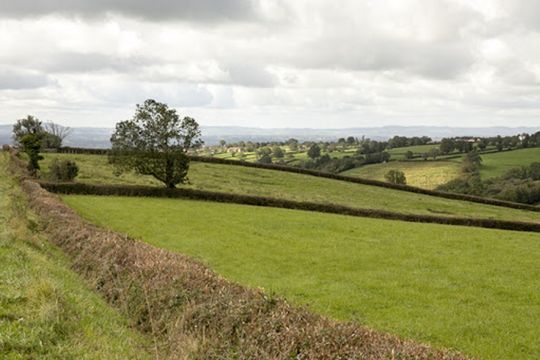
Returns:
(273, 63)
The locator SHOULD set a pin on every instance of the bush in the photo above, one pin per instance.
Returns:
(63, 170)
(395, 177)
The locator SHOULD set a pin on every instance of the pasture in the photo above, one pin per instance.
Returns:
(475, 290)
(46, 310)
(250, 181)
(425, 174)
(497, 164)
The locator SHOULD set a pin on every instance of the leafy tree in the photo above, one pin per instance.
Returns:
(277, 152)
(351, 140)
(314, 151)
(396, 177)
(434, 152)
(447, 146)
(26, 126)
(293, 144)
(265, 159)
(155, 142)
(409, 155)
(31, 145)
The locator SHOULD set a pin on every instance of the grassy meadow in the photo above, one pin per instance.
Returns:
(46, 311)
(252, 181)
(425, 174)
(497, 164)
(471, 289)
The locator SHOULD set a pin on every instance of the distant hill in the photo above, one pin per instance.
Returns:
(99, 137)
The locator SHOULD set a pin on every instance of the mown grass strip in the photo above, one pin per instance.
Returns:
(131, 190)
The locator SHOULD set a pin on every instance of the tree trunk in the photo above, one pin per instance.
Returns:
(169, 174)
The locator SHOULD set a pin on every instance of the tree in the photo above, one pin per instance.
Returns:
(55, 135)
(31, 145)
(277, 152)
(26, 126)
(447, 146)
(409, 155)
(314, 151)
(395, 177)
(155, 142)
(434, 152)
(265, 159)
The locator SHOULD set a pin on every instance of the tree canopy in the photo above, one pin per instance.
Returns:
(155, 142)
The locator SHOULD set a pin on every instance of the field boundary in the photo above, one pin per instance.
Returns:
(194, 313)
(150, 191)
(350, 179)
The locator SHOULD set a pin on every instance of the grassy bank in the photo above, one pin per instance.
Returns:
(262, 182)
(46, 311)
(475, 290)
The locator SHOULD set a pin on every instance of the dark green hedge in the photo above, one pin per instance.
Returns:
(129, 190)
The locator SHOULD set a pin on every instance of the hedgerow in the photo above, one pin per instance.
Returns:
(150, 191)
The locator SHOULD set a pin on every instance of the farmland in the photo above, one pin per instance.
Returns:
(465, 288)
(46, 311)
(250, 181)
(497, 164)
(425, 174)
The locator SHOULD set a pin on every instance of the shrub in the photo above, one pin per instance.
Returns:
(396, 177)
(63, 170)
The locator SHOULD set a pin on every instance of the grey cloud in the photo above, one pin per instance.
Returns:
(70, 62)
(11, 79)
(250, 75)
(192, 10)
(433, 60)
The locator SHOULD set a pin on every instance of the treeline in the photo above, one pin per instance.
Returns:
(500, 143)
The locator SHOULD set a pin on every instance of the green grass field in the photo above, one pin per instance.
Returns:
(251, 181)
(424, 174)
(497, 164)
(46, 311)
(399, 153)
(475, 290)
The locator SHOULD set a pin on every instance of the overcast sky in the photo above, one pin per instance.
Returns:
(273, 63)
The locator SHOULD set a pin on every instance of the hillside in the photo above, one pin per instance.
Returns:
(470, 289)
(46, 310)
(251, 181)
(497, 164)
(425, 174)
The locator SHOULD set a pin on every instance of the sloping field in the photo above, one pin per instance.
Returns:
(474, 290)
(425, 174)
(497, 164)
(252, 181)
(46, 311)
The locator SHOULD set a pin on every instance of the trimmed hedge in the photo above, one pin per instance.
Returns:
(149, 191)
(408, 188)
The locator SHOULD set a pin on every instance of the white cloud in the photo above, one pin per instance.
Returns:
(274, 63)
